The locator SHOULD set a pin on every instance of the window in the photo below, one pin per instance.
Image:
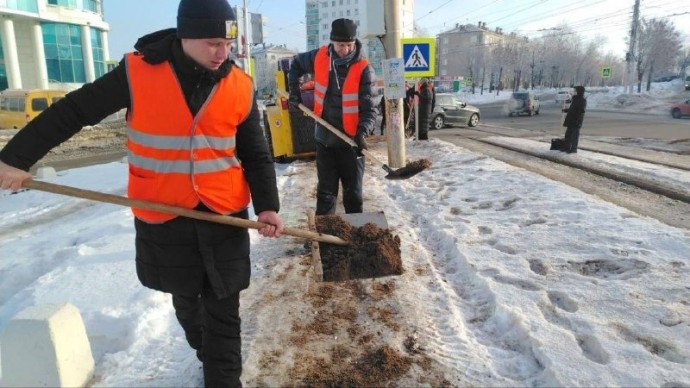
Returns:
(325, 26)
(64, 3)
(17, 104)
(63, 50)
(348, 12)
(20, 5)
(97, 50)
(39, 104)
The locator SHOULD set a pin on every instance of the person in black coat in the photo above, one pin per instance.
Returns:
(426, 99)
(336, 161)
(382, 112)
(573, 120)
(204, 265)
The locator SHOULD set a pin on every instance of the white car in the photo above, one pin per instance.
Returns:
(563, 95)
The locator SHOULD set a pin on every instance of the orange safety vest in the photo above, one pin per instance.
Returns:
(322, 65)
(179, 159)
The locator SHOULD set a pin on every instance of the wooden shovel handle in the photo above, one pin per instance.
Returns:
(333, 129)
(159, 207)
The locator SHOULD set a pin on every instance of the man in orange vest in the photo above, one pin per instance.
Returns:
(344, 96)
(194, 141)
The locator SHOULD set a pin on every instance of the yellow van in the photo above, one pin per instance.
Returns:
(19, 106)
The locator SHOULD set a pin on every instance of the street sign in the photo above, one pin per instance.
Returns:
(606, 72)
(419, 57)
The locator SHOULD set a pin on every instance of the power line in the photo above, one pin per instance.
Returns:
(435, 9)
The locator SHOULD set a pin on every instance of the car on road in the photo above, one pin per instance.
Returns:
(681, 109)
(523, 102)
(449, 110)
(563, 95)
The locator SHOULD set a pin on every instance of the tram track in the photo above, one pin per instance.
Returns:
(645, 195)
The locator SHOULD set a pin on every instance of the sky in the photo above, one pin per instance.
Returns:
(606, 21)
(511, 279)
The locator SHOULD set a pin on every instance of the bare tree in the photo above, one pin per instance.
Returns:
(660, 48)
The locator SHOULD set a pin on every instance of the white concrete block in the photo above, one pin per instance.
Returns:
(46, 346)
(45, 173)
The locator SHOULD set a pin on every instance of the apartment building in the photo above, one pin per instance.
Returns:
(52, 44)
(265, 61)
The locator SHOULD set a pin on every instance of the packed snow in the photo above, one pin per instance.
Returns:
(511, 279)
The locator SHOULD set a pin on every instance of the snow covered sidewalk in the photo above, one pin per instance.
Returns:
(511, 279)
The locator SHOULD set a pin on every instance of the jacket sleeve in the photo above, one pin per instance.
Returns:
(87, 105)
(301, 64)
(367, 101)
(257, 162)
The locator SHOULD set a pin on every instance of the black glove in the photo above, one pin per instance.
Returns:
(294, 100)
(361, 143)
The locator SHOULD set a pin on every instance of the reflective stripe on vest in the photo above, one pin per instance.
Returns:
(350, 88)
(178, 159)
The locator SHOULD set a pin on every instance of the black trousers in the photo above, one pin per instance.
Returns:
(212, 327)
(333, 166)
(204, 265)
(572, 138)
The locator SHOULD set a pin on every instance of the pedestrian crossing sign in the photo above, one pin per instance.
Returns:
(419, 57)
(606, 72)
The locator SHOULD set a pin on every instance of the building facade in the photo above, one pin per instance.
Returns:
(52, 44)
(456, 45)
(265, 61)
(320, 14)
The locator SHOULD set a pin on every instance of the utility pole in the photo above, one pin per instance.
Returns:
(630, 55)
(247, 55)
(395, 131)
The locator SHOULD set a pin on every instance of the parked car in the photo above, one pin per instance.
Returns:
(681, 109)
(563, 95)
(523, 102)
(451, 111)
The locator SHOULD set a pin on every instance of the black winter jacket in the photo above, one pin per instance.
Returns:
(576, 112)
(108, 94)
(332, 106)
(426, 100)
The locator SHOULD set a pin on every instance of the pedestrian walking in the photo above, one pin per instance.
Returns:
(194, 141)
(344, 97)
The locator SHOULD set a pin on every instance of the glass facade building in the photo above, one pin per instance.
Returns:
(51, 44)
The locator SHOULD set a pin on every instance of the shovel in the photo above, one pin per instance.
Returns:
(408, 171)
(189, 213)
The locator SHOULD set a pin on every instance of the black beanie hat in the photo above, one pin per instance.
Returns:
(202, 19)
(343, 30)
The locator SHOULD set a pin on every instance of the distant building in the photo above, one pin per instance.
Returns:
(459, 46)
(320, 14)
(265, 59)
(52, 44)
